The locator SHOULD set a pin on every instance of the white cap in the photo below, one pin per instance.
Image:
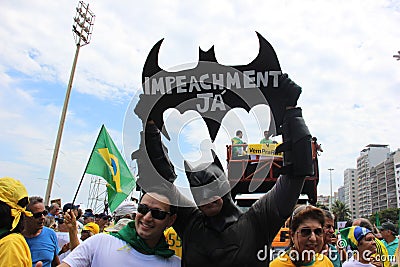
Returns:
(128, 207)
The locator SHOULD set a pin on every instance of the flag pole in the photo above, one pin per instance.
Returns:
(83, 175)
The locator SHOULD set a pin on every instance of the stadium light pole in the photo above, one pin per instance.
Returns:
(330, 179)
(82, 30)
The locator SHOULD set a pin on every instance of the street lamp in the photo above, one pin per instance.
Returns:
(82, 30)
(330, 179)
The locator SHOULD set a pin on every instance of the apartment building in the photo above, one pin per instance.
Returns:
(351, 191)
(370, 156)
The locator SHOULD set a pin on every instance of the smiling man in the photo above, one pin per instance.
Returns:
(140, 243)
(42, 241)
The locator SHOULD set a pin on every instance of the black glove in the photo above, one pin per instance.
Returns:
(291, 91)
(152, 156)
(296, 145)
(285, 95)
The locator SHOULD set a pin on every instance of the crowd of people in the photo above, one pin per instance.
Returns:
(138, 234)
(164, 228)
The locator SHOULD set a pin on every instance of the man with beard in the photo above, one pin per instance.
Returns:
(42, 241)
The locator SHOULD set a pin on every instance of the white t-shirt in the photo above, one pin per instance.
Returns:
(106, 250)
(62, 238)
(354, 263)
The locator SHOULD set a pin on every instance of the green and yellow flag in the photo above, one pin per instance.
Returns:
(106, 161)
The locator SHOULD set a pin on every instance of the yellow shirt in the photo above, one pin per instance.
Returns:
(383, 252)
(14, 251)
(174, 241)
(285, 261)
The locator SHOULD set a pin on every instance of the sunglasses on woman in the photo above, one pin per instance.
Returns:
(38, 215)
(306, 232)
(155, 213)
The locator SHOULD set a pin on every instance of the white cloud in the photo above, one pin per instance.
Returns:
(340, 53)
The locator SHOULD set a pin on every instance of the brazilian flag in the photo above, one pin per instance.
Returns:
(106, 161)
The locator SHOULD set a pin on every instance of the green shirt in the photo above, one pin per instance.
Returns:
(266, 141)
(392, 246)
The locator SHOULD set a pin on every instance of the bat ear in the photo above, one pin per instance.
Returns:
(188, 168)
(151, 66)
(208, 55)
(266, 53)
(216, 160)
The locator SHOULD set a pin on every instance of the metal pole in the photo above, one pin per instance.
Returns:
(82, 30)
(60, 129)
(330, 179)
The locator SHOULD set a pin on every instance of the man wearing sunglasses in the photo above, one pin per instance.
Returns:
(214, 232)
(42, 241)
(139, 243)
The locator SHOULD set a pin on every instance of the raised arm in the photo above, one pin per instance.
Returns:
(276, 206)
(156, 172)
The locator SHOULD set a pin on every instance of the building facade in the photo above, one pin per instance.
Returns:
(396, 163)
(383, 185)
(370, 156)
(340, 194)
(351, 191)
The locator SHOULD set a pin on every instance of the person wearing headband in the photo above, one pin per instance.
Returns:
(362, 242)
(14, 251)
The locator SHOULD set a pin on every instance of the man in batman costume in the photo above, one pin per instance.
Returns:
(215, 232)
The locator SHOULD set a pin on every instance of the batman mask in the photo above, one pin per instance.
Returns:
(207, 181)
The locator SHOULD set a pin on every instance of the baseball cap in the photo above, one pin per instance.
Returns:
(103, 216)
(91, 227)
(69, 206)
(388, 226)
(88, 213)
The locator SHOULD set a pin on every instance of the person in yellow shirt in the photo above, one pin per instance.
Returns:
(306, 240)
(14, 251)
(174, 241)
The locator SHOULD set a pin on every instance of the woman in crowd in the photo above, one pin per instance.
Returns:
(306, 239)
(14, 250)
(362, 243)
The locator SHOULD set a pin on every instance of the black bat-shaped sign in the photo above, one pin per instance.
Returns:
(213, 89)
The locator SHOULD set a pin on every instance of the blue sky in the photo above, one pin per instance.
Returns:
(340, 53)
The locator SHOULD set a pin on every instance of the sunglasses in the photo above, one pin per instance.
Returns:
(155, 213)
(306, 232)
(38, 215)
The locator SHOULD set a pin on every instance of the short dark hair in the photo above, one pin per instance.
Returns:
(328, 214)
(172, 208)
(34, 200)
(305, 212)
(239, 132)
